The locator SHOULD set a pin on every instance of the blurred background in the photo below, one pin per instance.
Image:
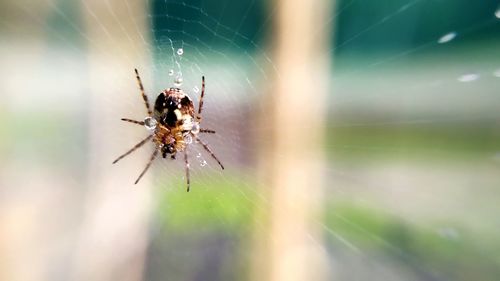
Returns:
(361, 140)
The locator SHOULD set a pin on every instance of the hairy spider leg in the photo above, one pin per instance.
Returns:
(153, 156)
(141, 87)
(133, 121)
(205, 146)
(186, 160)
(200, 107)
(133, 148)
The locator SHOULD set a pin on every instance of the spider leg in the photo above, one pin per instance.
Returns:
(207, 131)
(141, 87)
(153, 156)
(133, 121)
(200, 107)
(133, 148)
(205, 146)
(186, 160)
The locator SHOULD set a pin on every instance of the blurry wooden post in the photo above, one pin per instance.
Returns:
(113, 238)
(292, 160)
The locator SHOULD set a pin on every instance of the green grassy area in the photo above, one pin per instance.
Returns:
(429, 142)
(451, 251)
(54, 138)
(226, 204)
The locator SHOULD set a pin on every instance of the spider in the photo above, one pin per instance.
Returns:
(173, 126)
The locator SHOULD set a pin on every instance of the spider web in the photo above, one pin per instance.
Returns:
(425, 73)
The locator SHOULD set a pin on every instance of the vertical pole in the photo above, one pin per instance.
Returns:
(292, 162)
(114, 233)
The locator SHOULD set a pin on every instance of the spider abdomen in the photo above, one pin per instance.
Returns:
(172, 107)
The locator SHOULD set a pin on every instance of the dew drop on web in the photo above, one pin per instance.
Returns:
(180, 51)
(469, 77)
(150, 123)
(202, 161)
(447, 37)
(171, 72)
(178, 81)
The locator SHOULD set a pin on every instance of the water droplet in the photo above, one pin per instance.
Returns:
(188, 139)
(195, 129)
(195, 89)
(150, 123)
(171, 72)
(447, 37)
(180, 51)
(497, 13)
(496, 73)
(202, 161)
(178, 81)
(470, 77)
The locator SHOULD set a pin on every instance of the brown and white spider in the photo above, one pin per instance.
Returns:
(173, 126)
